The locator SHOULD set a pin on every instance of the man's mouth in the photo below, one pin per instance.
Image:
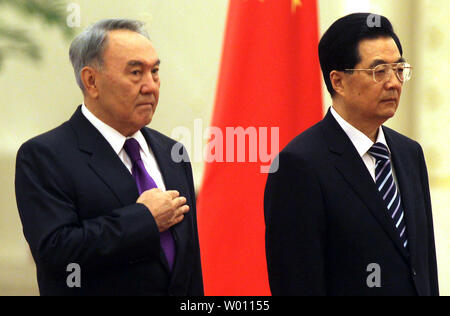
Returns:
(145, 104)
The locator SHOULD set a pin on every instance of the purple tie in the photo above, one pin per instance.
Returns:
(145, 182)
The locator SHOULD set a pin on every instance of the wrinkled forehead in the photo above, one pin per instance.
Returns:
(121, 46)
(377, 51)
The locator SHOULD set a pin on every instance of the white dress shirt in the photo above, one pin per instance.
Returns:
(363, 143)
(117, 140)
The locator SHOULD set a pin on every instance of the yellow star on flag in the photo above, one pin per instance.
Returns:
(295, 4)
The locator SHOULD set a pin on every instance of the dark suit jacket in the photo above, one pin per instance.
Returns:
(77, 203)
(326, 221)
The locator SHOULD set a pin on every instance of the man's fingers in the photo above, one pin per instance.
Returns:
(184, 209)
(179, 201)
(173, 193)
(178, 219)
(180, 214)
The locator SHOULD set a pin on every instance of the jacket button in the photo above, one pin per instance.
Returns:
(414, 272)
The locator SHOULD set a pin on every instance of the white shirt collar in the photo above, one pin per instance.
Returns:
(361, 142)
(113, 137)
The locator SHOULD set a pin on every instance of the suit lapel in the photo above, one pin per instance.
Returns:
(171, 175)
(104, 161)
(400, 160)
(349, 163)
(108, 166)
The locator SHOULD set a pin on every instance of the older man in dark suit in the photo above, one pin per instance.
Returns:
(101, 192)
(349, 211)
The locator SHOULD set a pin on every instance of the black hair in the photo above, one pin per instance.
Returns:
(338, 47)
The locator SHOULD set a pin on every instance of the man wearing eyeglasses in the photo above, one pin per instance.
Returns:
(348, 212)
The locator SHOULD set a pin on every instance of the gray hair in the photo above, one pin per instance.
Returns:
(88, 47)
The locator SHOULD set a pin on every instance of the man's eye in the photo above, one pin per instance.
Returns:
(155, 71)
(136, 72)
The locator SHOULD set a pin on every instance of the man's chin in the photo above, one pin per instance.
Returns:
(145, 115)
(147, 120)
(143, 123)
(389, 108)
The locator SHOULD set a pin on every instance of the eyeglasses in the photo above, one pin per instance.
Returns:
(383, 72)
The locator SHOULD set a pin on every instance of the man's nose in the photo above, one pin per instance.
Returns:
(393, 81)
(149, 85)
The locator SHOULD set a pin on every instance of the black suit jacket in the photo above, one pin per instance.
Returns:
(77, 203)
(326, 221)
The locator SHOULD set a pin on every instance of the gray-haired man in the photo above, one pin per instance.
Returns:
(101, 191)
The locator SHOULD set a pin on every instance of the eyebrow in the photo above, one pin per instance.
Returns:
(377, 62)
(133, 63)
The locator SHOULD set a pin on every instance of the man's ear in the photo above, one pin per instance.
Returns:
(337, 81)
(89, 77)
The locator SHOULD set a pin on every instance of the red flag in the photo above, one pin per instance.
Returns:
(269, 77)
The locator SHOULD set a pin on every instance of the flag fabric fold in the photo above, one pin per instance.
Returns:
(269, 78)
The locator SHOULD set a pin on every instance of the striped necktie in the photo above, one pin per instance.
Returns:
(384, 180)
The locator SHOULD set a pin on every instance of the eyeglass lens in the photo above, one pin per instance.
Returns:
(402, 70)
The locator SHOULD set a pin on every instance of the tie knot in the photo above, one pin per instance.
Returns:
(379, 151)
(132, 148)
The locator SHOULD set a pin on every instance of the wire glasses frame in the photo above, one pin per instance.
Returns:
(403, 71)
